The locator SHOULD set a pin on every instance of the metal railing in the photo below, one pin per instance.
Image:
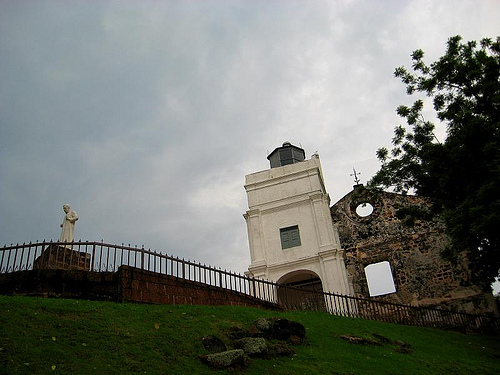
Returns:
(104, 257)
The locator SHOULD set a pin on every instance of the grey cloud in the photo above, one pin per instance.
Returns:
(146, 116)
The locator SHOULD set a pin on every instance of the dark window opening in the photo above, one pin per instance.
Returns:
(290, 237)
(290, 156)
(286, 157)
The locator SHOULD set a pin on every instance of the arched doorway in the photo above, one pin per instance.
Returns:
(301, 289)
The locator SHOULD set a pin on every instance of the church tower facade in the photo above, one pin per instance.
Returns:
(291, 235)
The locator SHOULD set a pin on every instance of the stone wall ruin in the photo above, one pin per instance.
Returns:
(401, 231)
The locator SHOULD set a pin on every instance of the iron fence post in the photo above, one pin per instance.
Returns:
(93, 257)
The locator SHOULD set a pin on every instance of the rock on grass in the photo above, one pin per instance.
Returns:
(230, 358)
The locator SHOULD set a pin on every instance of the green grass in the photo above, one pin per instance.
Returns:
(85, 337)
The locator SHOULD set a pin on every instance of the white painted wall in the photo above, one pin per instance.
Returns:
(286, 196)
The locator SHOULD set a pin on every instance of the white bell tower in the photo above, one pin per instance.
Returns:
(290, 230)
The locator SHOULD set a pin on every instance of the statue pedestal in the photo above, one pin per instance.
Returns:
(62, 258)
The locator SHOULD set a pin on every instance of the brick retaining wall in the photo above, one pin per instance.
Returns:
(128, 284)
(61, 283)
(150, 287)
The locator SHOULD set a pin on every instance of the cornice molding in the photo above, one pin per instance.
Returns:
(289, 177)
(312, 259)
(290, 202)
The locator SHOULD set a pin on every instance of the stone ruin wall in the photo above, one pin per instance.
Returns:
(421, 276)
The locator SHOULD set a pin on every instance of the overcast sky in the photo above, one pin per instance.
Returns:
(145, 116)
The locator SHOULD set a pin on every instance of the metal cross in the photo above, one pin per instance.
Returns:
(355, 174)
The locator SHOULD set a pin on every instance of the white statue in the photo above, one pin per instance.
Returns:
(68, 224)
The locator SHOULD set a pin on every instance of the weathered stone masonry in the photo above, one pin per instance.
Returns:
(411, 246)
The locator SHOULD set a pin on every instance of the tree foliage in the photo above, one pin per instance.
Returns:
(462, 174)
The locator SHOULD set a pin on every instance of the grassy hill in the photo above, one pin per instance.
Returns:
(41, 336)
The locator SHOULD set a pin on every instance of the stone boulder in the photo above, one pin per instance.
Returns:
(283, 329)
(263, 325)
(230, 358)
(213, 344)
(236, 333)
(253, 342)
(252, 346)
(359, 340)
(279, 329)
